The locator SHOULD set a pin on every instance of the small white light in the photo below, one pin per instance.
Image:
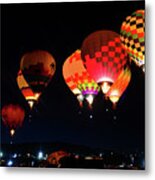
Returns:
(90, 99)
(1, 154)
(40, 155)
(15, 155)
(115, 117)
(105, 87)
(91, 116)
(107, 109)
(10, 163)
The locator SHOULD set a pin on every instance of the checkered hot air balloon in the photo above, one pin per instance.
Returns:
(67, 74)
(133, 36)
(78, 75)
(119, 86)
(38, 68)
(104, 57)
(27, 92)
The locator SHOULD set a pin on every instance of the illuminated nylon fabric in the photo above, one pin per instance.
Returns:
(13, 116)
(119, 86)
(55, 157)
(38, 68)
(104, 57)
(27, 92)
(80, 76)
(67, 74)
(132, 36)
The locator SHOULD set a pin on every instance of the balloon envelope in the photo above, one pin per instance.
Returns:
(80, 76)
(27, 92)
(38, 68)
(119, 86)
(13, 116)
(133, 36)
(104, 57)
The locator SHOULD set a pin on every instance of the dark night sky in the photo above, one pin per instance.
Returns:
(60, 29)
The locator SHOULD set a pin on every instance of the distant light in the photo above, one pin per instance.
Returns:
(10, 163)
(112, 153)
(32, 163)
(80, 112)
(15, 155)
(1, 154)
(100, 154)
(88, 158)
(40, 155)
(77, 156)
(28, 154)
(143, 164)
(107, 109)
(115, 117)
(91, 116)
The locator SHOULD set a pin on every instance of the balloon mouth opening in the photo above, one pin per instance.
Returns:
(31, 103)
(114, 99)
(12, 132)
(105, 86)
(114, 96)
(80, 98)
(90, 99)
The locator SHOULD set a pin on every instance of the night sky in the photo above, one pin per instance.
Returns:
(60, 28)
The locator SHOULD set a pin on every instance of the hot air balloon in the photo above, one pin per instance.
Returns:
(38, 68)
(67, 74)
(132, 37)
(80, 77)
(27, 92)
(104, 57)
(13, 116)
(55, 157)
(119, 86)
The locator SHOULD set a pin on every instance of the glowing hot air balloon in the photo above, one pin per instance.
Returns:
(27, 92)
(104, 57)
(38, 68)
(67, 74)
(119, 86)
(87, 86)
(13, 116)
(55, 157)
(132, 37)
